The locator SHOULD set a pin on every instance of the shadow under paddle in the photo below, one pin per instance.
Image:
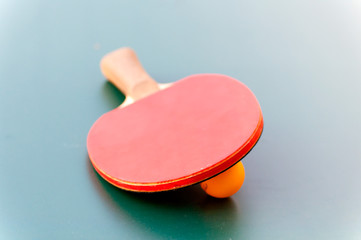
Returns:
(186, 213)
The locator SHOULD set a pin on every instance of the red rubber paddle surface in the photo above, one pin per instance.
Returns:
(182, 135)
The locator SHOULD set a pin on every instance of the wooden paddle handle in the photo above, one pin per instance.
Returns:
(122, 68)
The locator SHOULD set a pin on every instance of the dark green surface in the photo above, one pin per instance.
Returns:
(302, 59)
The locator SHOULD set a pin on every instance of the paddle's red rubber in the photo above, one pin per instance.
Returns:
(179, 136)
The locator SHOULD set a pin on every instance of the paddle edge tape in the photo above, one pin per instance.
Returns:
(191, 179)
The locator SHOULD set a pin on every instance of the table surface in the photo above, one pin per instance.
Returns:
(302, 59)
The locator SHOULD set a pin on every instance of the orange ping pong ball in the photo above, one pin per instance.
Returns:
(225, 184)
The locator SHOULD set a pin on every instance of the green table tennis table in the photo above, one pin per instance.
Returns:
(302, 59)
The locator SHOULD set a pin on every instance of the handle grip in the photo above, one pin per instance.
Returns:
(122, 68)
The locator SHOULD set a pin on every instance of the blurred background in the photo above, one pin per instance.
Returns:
(302, 59)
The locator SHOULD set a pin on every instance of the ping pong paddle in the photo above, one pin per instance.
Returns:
(163, 138)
